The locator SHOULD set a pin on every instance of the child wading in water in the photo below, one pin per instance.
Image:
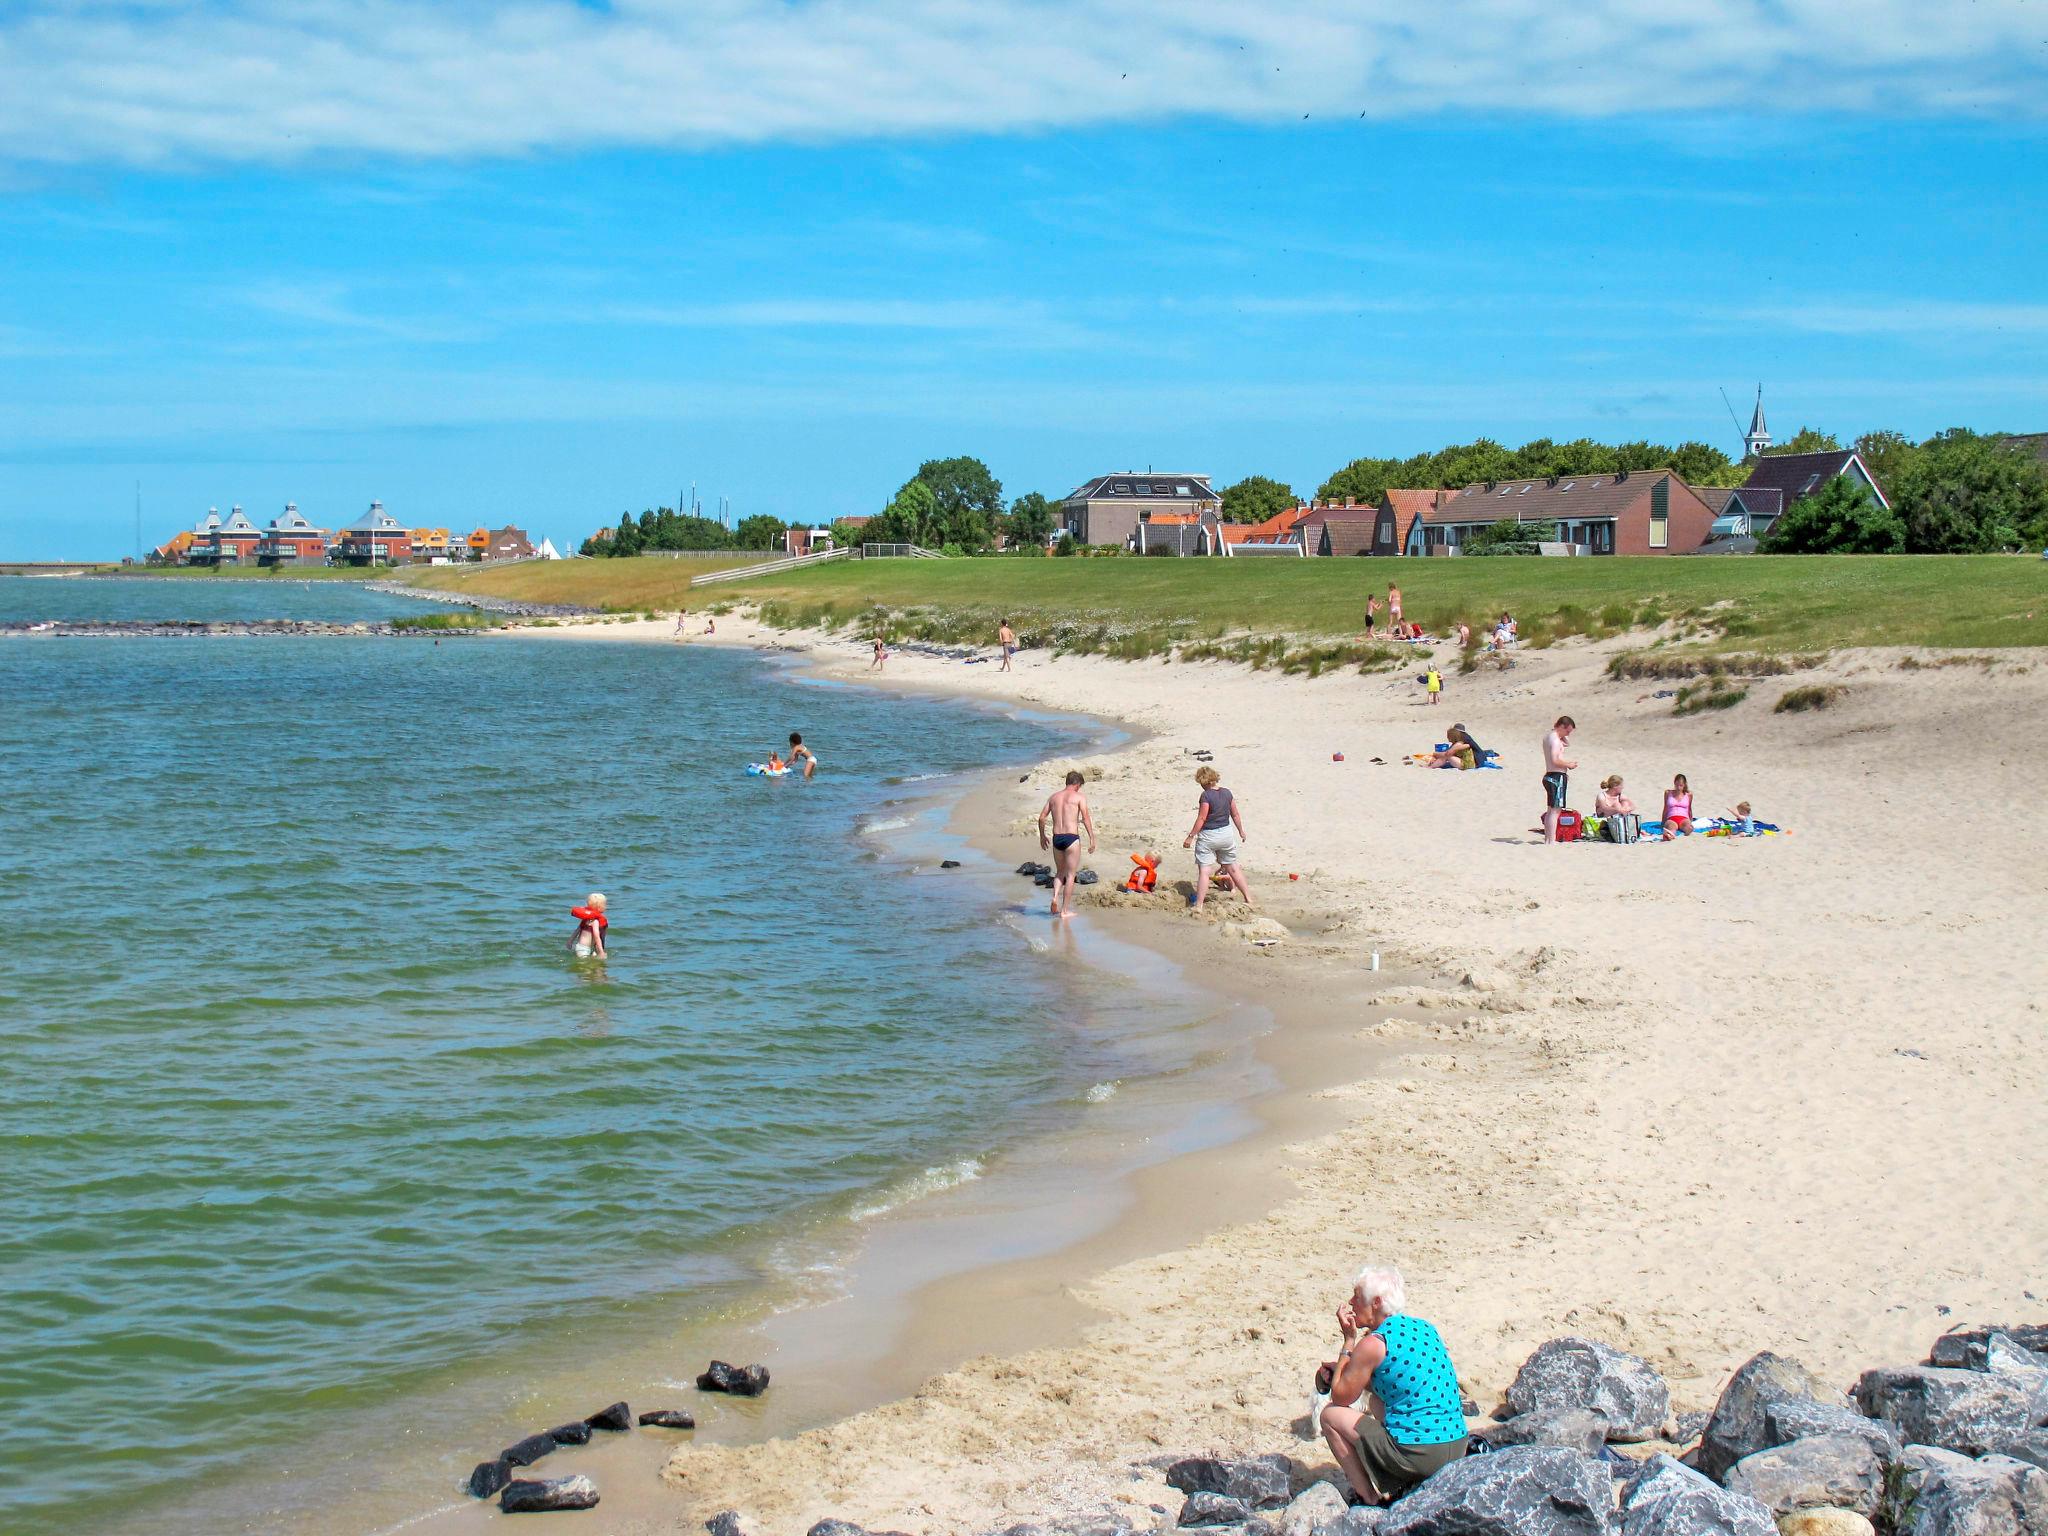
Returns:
(590, 926)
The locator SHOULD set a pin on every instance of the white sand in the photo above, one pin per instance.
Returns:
(1662, 1100)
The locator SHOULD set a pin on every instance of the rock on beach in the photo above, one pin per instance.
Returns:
(526, 1452)
(488, 1477)
(1584, 1373)
(739, 1381)
(1263, 1482)
(1534, 1490)
(1667, 1498)
(1577, 1429)
(1972, 1412)
(526, 1497)
(616, 1419)
(1740, 1425)
(1824, 1471)
(668, 1418)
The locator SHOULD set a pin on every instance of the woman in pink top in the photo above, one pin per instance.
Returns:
(1678, 808)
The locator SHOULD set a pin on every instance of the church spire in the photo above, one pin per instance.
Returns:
(1758, 438)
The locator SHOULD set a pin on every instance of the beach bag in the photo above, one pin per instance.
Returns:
(1622, 829)
(1569, 825)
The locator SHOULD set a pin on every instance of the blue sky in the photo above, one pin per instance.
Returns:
(543, 262)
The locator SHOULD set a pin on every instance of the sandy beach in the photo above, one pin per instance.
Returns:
(1695, 1099)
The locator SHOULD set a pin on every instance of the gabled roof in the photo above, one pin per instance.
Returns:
(1273, 528)
(1317, 516)
(1801, 474)
(1125, 486)
(1407, 505)
(1346, 535)
(1539, 501)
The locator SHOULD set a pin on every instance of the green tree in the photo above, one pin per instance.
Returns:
(1806, 440)
(969, 498)
(627, 540)
(1887, 455)
(1032, 519)
(1360, 480)
(912, 517)
(1842, 518)
(1256, 498)
(1700, 463)
(760, 532)
(1962, 493)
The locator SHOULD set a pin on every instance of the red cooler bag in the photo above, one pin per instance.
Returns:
(1570, 824)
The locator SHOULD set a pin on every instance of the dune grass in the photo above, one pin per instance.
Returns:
(638, 584)
(1758, 604)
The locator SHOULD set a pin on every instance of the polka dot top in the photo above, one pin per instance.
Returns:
(1417, 1383)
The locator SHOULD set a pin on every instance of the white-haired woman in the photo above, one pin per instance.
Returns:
(1395, 1414)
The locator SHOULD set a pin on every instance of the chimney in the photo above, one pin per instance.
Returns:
(1620, 475)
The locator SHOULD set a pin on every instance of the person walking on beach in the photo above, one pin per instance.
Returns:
(1067, 810)
(1555, 767)
(881, 654)
(799, 753)
(1217, 837)
(1007, 638)
(681, 615)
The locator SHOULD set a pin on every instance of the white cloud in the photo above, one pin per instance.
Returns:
(1906, 317)
(282, 80)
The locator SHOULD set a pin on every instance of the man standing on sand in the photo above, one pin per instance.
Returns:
(1068, 812)
(1007, 638)
(1555, 766)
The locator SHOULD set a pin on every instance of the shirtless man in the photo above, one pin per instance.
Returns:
(1555, 766)
(1068, 812)
(1007, 638)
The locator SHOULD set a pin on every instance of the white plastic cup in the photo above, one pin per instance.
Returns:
(1375, 961)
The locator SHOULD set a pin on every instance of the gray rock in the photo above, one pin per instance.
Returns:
(1740, 1423)
(2003, 1357)
(1800, 1420)
(668, 1418)
(577, 1433)
(1576, 1429)
(1583, 1373)
(739, 1380)
(536, 1497)
(1667, 1498)
(488, 1478)
(1690, 1426)
(1972, 1412)
(1529, 1490)
(1825, 1522)
(725, 1523)
(1823, 1471)
(1204, 1508)
(2030, 1448)
(1317, 1504)
(1263, 1482)
(1363, 1521)
(1948, 1495)
(846, 1528)
(616, 1419)
(528, 1451)
(1963, 1348)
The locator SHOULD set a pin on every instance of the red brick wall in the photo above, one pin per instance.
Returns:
(1690, 518)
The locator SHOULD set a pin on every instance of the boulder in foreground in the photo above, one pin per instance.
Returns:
(577, 1433)
(1668, 1498)
(1533, 1490)
(1820, 1472)
(536, 1497)
(1970, 1412)
(616, 1419)
(526, 1452)
(1584, 1373)
(1576, 1429)
(1943, 1494)
(1740, 1424)
(488, 1478)
(739, 1380)
(1261, 1481)
(1317, 1505)
(1205, 1509)
(668, 1418)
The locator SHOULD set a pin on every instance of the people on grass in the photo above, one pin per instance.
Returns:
(1217, 837)
(1068, 813)
(1394, 1414)
(1556, 768)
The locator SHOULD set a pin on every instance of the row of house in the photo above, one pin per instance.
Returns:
(1623, 512)
(375, 538)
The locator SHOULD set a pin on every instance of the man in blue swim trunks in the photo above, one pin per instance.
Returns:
(1555, 767)
(1067, 810)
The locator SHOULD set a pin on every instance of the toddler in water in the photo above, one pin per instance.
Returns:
(590, 926)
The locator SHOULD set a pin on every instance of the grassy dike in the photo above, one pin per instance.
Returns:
(1268, 611)
(640, 584)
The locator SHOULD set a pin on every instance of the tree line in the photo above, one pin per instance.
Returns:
(1957, 493)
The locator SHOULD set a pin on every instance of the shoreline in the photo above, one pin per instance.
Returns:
(1620, 1083)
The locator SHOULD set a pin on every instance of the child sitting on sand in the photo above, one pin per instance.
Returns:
(1745, 824)
(590, 926)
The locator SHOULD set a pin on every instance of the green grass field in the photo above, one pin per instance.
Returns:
(638, 584)
(1144, 607)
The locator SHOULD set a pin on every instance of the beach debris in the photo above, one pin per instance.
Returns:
(1578, 1429)
(526, 1452)
(1940, 1493)
(615, 1419)
(1086, 877)
(1204, 1508)
(1824, 1522)
(1666, 1496)
(1033, 870)
(1336, 757)
(668, 1418)
(740, 1381)
(574, 1433)
(1530, 1490)
(725, 1523)
(1972, 1412)
(1740, 1423)
(1827, 1471)
(1583, 1373)
(949, 863)
(537, 1496)
(488, 1478)
(1261, 1481)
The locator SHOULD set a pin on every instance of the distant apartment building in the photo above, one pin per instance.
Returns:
(219, 542)
(478, 541)
(375, 538)
(1106, 510)
(292, 540)
(430, 544)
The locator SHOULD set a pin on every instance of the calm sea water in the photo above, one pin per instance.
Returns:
(307, 1108)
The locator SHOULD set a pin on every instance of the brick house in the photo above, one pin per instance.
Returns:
(509, 543)
(218, 543)
(1105, 510)
(292, 540)
(1639, 512)
(374, 538)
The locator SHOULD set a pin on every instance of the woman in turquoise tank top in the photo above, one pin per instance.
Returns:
(1395, 1414)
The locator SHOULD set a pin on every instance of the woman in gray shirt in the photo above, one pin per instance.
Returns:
(1217, 836)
